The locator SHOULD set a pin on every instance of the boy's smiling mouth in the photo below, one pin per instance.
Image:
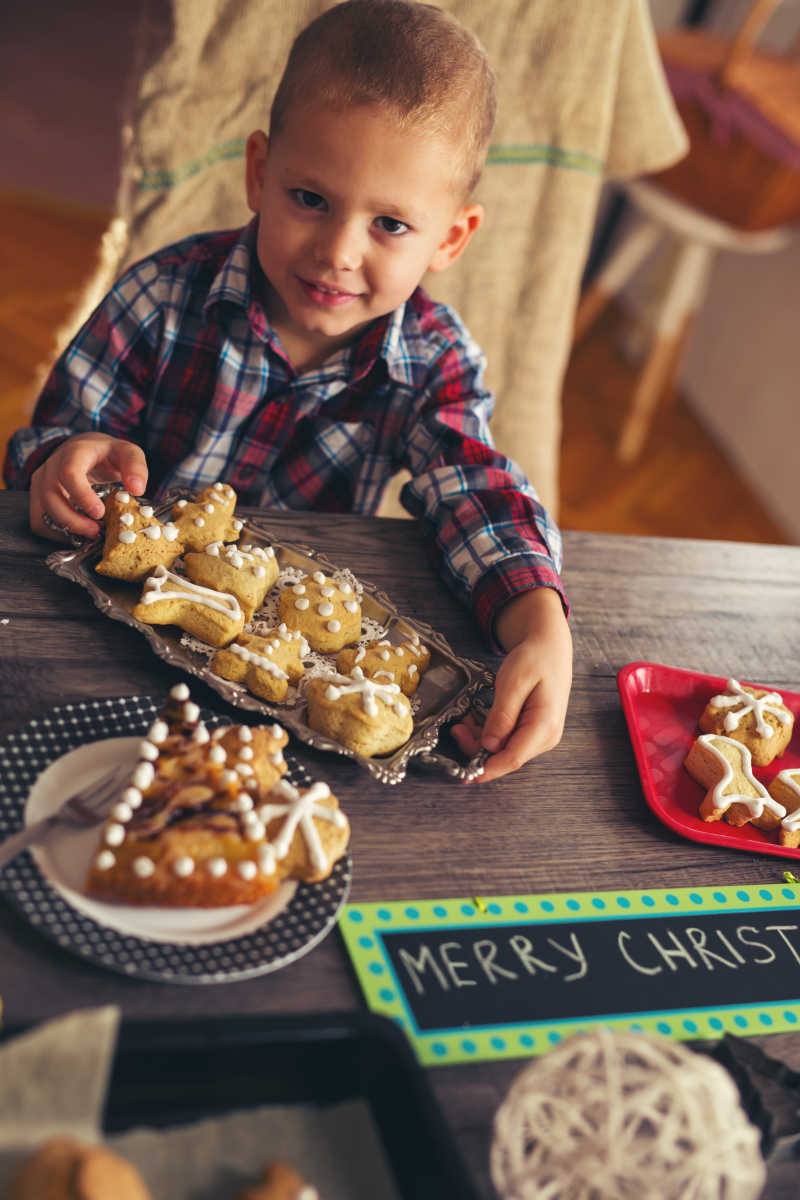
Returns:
(325, 294)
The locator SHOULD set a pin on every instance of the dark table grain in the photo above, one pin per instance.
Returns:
(574, 819)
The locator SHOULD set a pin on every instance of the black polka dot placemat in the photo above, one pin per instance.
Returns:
(308, 917)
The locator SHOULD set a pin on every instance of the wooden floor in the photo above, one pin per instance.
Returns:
(49, 251)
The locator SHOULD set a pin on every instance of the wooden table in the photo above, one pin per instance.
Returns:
(574, 819)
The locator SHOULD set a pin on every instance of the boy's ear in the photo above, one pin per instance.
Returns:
(468, 221)
(256, 158)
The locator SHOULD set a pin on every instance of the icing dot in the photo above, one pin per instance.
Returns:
(228, 777)
(132, 796)
(123, 498)
(199, 522)
(122, 811)
(180, 691)
(254, 829)
(217, 867)
(126, 519)
(246, 752)
(245, 733)
(127, 536)
(148, 751)
(333, 626)
(183, 866)
(243, 802)
(143, 867)
(143, 776)
(190, 712)
(170, 532)
(217, 754)
(158, 732)
(182, 504)
(213, 548)
(201, 735)
(325, 609)
(351, 605)
(327, 592)
(299, 589)
(105, 860)
(301, 604)
(153, 532)
(208, 508)
(146, 512)
(247, 869)
(115, 835)
(259, 571)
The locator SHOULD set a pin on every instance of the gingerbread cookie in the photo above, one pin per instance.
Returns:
(279, 1182)
(753, 716)
(403, 663)
(135, 541)
(246, 572)
(307, 829)
(265, 663)
(785, 788)
(208, 518)
(724, 767)
(63, 1168)
(169, 599)
(327, 613)
(366, 716)
(185, 831)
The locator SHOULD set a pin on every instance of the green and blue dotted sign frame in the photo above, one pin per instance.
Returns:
(510, 976)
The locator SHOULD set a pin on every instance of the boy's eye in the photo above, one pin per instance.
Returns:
(391, 225)
(306, 199)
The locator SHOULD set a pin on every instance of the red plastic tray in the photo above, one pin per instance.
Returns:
(662, 706)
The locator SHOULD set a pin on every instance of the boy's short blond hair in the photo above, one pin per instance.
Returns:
(413, 59)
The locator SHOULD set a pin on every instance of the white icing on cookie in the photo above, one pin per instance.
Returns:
(770, 702)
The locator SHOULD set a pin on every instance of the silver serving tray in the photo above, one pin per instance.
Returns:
(449, 687)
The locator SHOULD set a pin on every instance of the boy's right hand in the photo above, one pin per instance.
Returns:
(62, 486)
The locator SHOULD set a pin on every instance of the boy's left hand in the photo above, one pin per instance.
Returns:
(532, 686)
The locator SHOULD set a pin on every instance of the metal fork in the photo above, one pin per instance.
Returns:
(86, 807)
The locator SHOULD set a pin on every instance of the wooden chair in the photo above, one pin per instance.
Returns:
(738, 189)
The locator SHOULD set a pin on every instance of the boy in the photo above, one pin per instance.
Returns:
(299, 361)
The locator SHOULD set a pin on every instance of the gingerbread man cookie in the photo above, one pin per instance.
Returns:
(247, 572)
(208, 518)
(327, 613)
(135, 541)
(280, 1182)
(785, 788)
(753, 716)
(403, 663)
(366, 716)
(169, 599)
(265, 663)
(724, 767)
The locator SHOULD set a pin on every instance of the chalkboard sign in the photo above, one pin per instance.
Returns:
(510, 976)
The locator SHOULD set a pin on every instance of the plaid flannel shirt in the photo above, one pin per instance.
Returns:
(181, 358)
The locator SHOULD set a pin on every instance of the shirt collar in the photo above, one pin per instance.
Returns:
(233, 281)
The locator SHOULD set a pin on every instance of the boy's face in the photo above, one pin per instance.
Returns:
(352, 211)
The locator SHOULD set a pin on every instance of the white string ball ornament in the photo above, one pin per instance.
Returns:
(625, 1116)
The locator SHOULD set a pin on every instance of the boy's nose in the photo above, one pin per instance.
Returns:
(339, 245)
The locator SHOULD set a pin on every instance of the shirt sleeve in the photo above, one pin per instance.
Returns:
(493, 537)
(100, 382)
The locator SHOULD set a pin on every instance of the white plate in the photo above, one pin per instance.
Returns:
(55, 755)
